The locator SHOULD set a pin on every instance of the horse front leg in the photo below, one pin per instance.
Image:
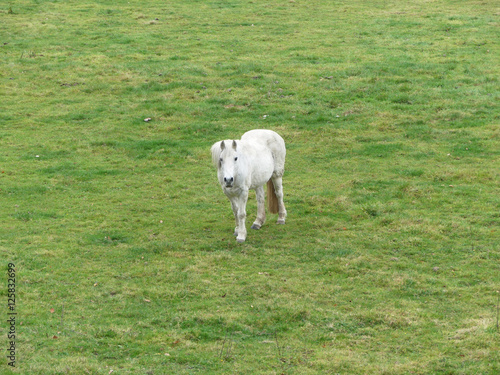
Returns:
(234, 206)
(261, 208)
(240, 214)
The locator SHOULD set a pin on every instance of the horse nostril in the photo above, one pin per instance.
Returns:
(228, 179)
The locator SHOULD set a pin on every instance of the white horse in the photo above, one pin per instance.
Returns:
(258, 157)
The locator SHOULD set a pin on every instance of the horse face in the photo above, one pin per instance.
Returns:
(228, 164)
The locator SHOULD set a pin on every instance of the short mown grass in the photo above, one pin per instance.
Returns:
(122, 239)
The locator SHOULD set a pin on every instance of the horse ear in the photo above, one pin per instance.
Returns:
(234, 145)
(222, 145)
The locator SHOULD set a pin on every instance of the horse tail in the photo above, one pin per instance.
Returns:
(272, 199)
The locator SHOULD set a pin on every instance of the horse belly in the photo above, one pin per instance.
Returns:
(261, 173)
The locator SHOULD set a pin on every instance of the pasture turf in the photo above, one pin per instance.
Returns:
(122, 239)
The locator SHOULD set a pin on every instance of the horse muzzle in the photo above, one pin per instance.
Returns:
(229, 181)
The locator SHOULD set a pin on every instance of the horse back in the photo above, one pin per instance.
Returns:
(272, 141)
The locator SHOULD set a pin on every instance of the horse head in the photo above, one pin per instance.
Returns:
(228, 159)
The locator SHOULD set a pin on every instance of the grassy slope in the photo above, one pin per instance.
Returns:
(389, 260)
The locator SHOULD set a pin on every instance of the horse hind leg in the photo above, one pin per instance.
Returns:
(261, 208)
(278, 188)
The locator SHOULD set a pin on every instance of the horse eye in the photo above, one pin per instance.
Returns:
(236, 158)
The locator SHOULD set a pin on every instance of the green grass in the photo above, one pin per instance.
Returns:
(122, 239)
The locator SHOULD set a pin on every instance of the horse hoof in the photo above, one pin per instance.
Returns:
(281, 222)
(255, 226)
(239, 240)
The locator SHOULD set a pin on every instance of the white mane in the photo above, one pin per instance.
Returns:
(216, 151)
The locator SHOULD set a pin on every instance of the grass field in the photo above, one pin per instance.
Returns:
(122, 240)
